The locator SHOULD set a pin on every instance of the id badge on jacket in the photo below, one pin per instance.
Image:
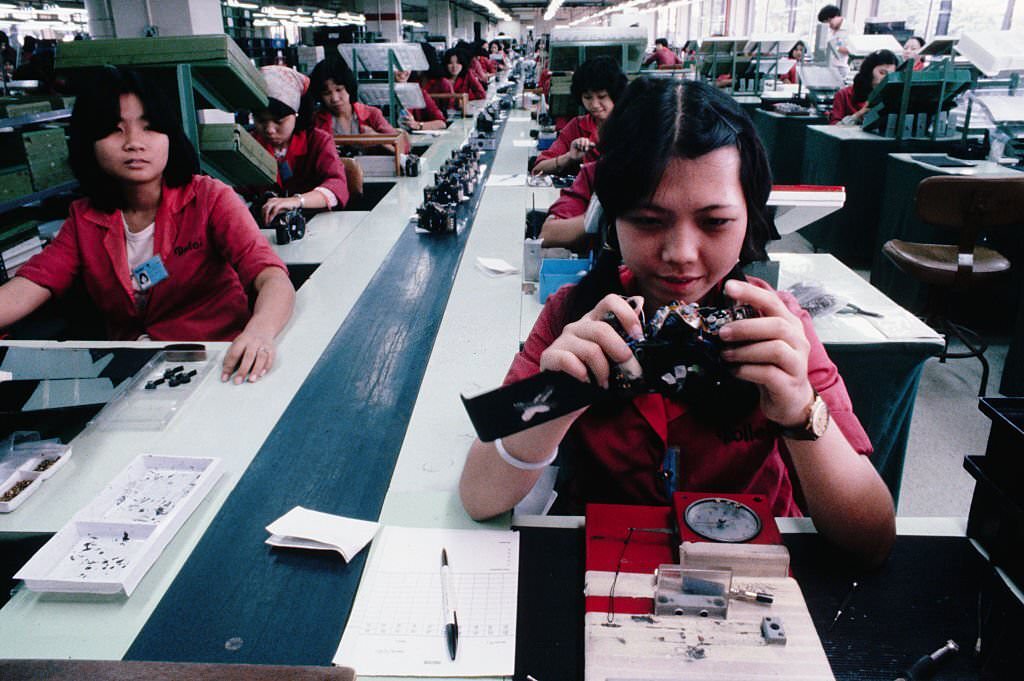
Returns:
(149, 274)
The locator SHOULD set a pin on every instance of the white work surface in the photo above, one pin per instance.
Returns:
(476, 341)
(896, 325)
(324, 233)
(979, 169)
(42, 626)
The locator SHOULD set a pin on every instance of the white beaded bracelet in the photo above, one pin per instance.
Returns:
(520, 464)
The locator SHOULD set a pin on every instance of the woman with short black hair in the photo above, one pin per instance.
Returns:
(596, 84)
(338, 111)
(684, 183)
(164, 252)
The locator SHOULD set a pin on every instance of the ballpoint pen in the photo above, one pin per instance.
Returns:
(451, 620)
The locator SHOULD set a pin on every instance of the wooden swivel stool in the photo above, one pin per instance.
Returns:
(969, 206)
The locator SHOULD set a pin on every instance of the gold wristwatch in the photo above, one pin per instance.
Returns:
(814, 426)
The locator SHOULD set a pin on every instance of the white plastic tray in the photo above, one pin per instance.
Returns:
(109, 545)
(12, 480)
(137, 408)
(20, 463)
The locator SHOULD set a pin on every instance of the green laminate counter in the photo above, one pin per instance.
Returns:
(849, 157)
(784, 138)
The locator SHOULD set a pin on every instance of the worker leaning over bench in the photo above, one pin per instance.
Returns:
(164, 252)
(309, 171)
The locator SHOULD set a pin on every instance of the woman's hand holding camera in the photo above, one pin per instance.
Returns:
(579, 148)
(280, 204)
(587, 347)
(770, 351)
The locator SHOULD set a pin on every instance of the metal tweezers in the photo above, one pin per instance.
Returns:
(850, 308)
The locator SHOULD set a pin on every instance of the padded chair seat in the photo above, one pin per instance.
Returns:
(937, 264)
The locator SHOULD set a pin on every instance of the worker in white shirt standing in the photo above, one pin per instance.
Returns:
(838, 54)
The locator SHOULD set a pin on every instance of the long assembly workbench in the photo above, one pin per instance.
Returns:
(360, 417)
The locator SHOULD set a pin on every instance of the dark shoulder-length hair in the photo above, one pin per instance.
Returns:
(333, 68)
(594, 75)
(862, 81)
(97, 114)
(461, 55)
(434, 67)
(655, 121)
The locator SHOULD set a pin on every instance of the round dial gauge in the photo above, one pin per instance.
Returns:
(722, 520)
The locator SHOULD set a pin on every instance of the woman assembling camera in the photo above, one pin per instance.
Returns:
(684, 182)
(309, 170)
(164, 252)
(596, 85)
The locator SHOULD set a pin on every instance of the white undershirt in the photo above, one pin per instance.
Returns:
(139, 246)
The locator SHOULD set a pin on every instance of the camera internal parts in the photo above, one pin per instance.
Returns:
(679, 356)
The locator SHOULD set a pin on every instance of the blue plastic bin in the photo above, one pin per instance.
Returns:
(557, 272)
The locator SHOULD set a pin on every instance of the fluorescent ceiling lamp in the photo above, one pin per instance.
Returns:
(410, 22)
(655, 8)
(552, 9)
(493, 9)
(242, 5)
(622, 7)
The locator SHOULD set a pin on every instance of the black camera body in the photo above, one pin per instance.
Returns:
(454, 183)
(680, 353)
(437, 218)
(484, 122)
(411, 165)
(289, 225)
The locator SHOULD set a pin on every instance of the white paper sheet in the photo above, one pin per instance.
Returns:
(396, 626)
(306, 529)
(495, 267)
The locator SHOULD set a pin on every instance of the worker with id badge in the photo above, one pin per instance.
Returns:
(164, 252)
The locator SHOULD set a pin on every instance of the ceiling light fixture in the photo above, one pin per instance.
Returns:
(552, 9)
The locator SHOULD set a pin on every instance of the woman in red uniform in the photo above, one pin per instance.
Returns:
(338, 112)
(796, 53)
(684, 182)
(309, 170)
(164, 252)
(911, 48)
(430, 117)
(849, 104)
(596, 84)
(565, 226)
(456, 63)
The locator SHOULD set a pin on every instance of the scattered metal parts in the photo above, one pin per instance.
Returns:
(773, 631)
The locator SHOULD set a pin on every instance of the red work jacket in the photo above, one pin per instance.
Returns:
(314, 162)
(619, 452)
(581, 126)
(209, 244)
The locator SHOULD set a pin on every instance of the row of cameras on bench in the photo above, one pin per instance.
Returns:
(453, 184)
